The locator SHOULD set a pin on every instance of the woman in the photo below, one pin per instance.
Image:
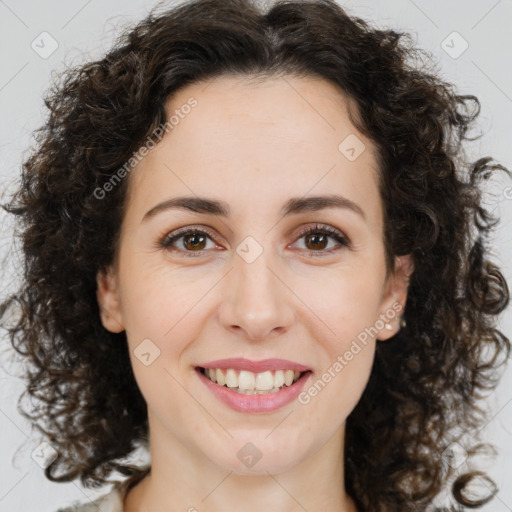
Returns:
(252, 245)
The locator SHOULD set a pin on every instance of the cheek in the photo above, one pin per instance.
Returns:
(161, 323)
(343, 310)
(161, 300)
(166, 395)
(334, 391)
(345, 302)
(164, 313)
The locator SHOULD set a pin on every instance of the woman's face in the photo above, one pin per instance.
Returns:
(251, 285)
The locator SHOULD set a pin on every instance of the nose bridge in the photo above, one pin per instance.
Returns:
(253, 265)
(258, 303)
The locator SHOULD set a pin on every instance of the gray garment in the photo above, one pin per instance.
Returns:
(111, 501)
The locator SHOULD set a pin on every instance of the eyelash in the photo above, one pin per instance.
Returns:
(167, 241)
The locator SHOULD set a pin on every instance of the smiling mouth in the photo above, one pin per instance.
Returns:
(250, 383)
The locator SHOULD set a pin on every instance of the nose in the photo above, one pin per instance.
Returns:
(257, 302)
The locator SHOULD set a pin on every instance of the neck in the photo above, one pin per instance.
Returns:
(183, 479)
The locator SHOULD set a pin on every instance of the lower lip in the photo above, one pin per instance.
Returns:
(255, 403)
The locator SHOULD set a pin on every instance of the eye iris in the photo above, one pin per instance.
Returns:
(195, 244)
(315, 237)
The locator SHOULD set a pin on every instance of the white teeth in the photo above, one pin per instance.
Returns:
(221, 379)
(264, 381)
(279, 378)
(246, 380)
(231, 379)
(255, 392)
(250, 383)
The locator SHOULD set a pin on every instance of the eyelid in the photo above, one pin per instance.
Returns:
(165, 240)
(325, 228)
(343, 241)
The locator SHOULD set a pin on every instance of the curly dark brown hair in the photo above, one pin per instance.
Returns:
(427, 381)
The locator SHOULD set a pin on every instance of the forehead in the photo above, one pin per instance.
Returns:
(259, 141)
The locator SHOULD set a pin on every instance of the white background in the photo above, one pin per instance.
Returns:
(84, 29)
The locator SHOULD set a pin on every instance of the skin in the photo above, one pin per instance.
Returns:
(253, 145)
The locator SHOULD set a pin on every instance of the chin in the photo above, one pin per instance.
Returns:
(253, 453)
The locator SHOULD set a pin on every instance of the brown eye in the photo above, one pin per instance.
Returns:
(315, 241)
(189, 242)
(195, 241)
(317, 238)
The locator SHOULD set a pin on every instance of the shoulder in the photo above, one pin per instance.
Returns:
(109, 502)
(113, 500)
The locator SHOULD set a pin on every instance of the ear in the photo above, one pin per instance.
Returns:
(395, 297)
(107, 294)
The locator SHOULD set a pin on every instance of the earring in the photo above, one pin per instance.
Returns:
(402, 322)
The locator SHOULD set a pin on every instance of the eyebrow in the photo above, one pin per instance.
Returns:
(293, 206)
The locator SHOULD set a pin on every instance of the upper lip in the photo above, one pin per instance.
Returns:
(241, 363)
